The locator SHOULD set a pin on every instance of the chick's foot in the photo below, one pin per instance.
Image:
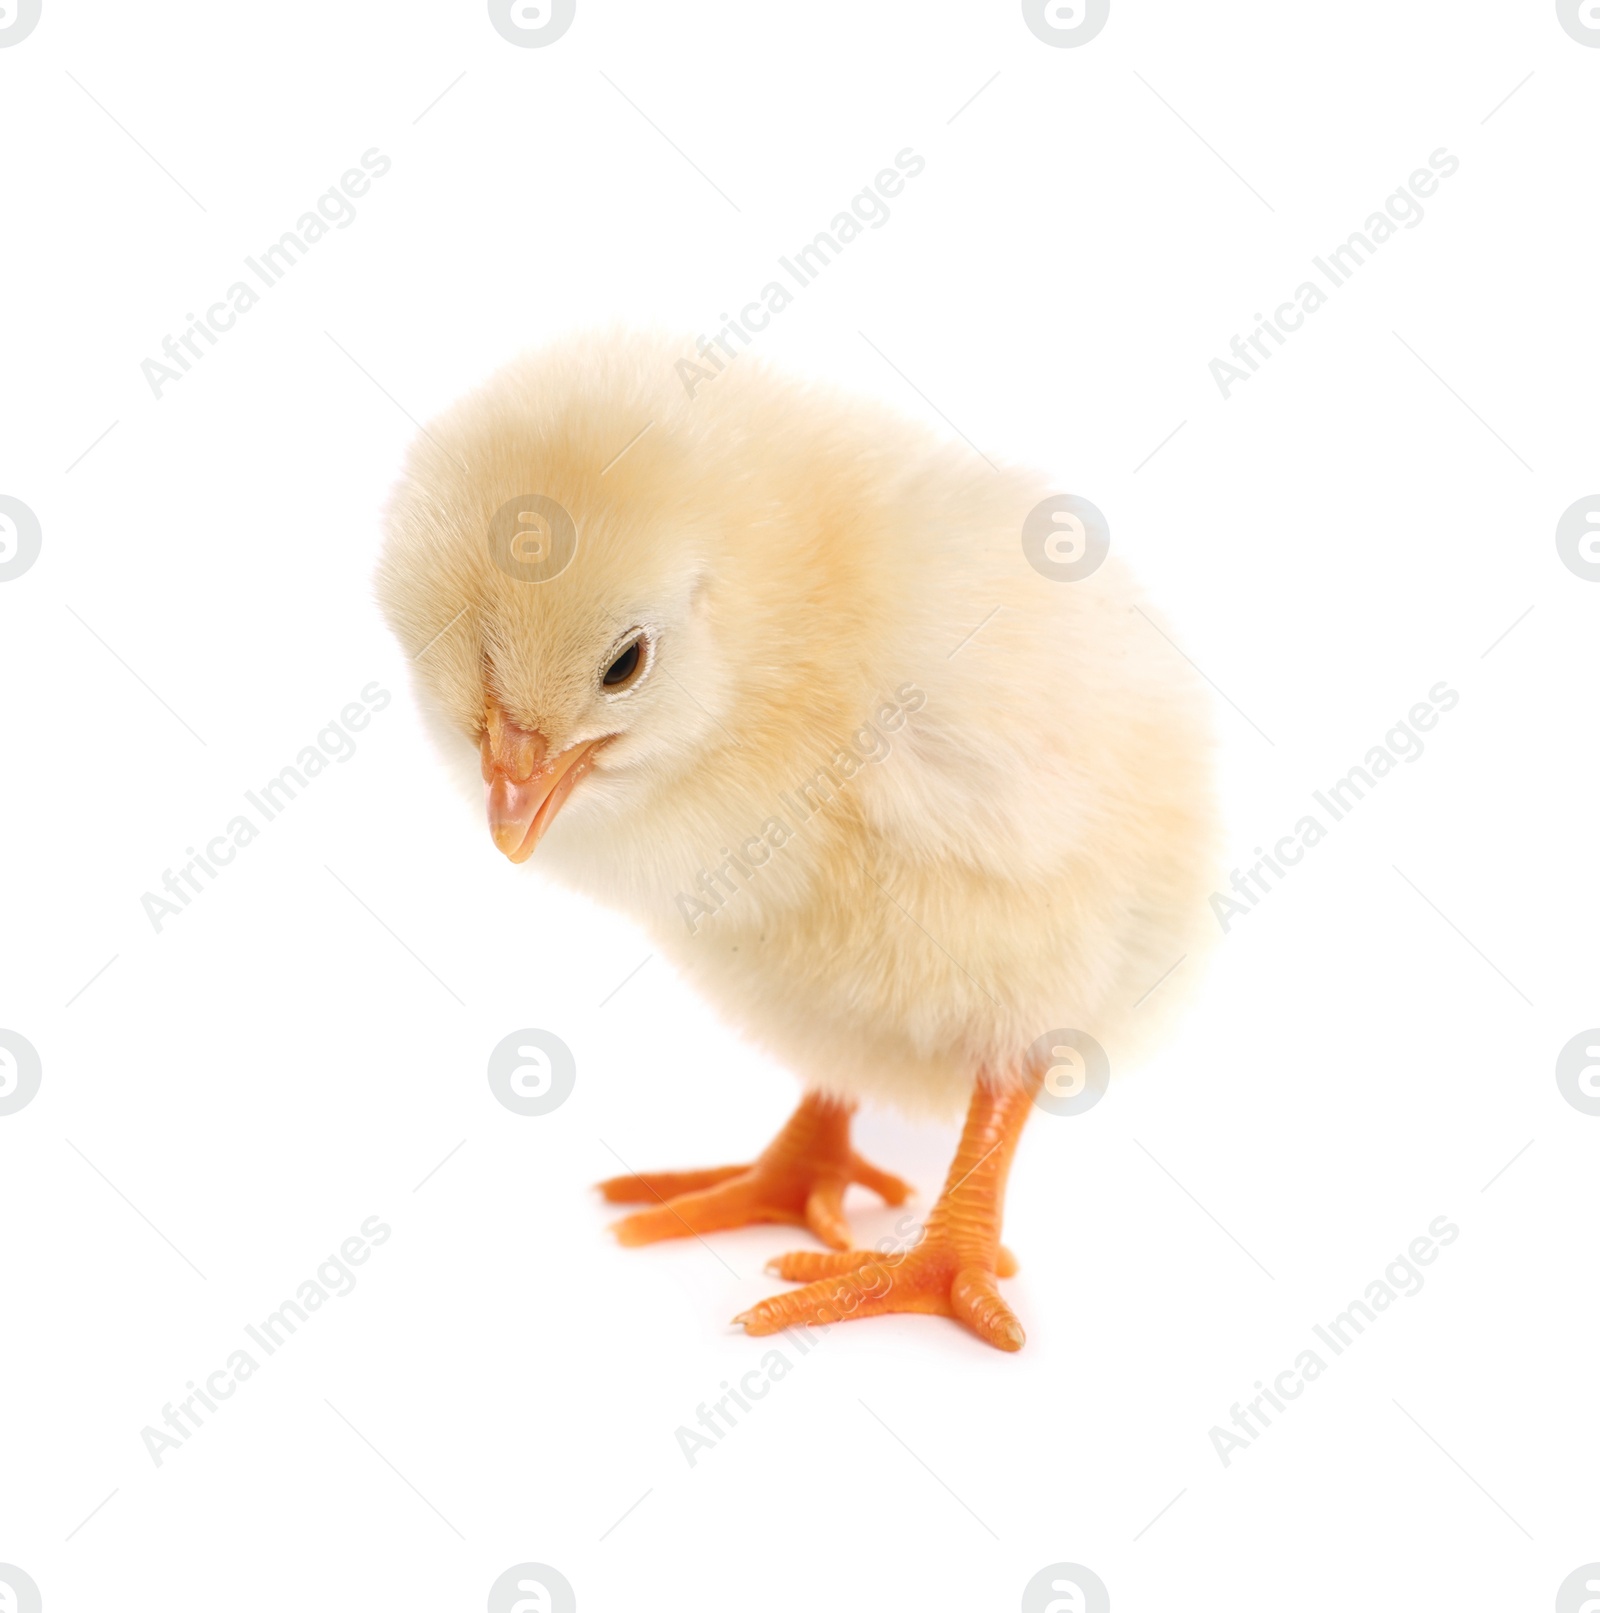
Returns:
(951, 1272)
(800, 1178)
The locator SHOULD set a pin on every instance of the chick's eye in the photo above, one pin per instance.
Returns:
(625, 668)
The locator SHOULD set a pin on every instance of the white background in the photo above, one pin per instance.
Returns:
(1371, 1046)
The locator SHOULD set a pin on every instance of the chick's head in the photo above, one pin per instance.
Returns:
(552, 584)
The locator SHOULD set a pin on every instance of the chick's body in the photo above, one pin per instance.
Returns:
(897, 803)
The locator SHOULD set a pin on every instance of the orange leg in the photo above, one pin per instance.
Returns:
(800, 1178)
(952, 1271)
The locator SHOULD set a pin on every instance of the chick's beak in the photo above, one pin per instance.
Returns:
(526, 785)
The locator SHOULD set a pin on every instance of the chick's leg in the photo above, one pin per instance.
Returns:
(800, 1178)
(952, 1271)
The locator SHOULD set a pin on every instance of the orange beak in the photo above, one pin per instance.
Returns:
(526, 785)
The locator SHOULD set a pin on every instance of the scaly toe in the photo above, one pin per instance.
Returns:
(975, 1300)
(736, 1202)
(806, 1265)
(931, 1278)
(652, 1187)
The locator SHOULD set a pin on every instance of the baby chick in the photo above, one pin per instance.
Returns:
(769, 670)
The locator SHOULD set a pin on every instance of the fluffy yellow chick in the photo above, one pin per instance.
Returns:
(769, 670)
